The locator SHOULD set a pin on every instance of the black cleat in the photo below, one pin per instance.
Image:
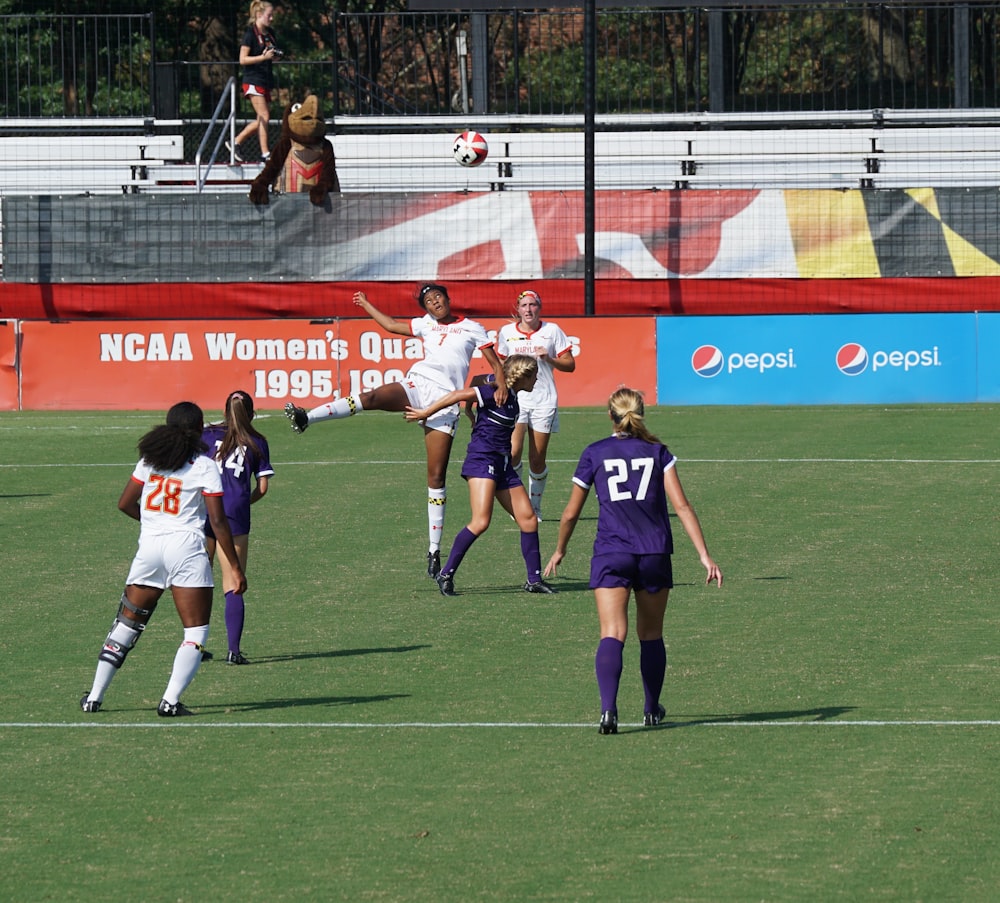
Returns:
(446, 583)
(236, 658)
(298, 417)
(433, 564)
(206, 656)
(177, 710)
(234, 149)
(89, 705)
(652, 719)
(540, 586)
(609, 723)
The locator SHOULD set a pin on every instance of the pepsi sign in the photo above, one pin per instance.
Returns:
(707, 361)
(852, 359)
(817, 359)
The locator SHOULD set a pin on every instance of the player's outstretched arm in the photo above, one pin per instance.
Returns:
(389, 324)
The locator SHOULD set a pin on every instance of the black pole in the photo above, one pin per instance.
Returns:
(589, 104)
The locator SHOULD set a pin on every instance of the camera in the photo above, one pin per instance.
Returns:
(278, 54)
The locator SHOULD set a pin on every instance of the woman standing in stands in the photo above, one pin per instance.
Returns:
(258, 50)
(169, 492)
(634, 475)
(244, 460)
(449, 342)
(539, 416)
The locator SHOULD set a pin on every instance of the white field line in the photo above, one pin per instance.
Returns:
(452, 725)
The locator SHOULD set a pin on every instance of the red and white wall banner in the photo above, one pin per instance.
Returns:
(150, 365)
(8, 366)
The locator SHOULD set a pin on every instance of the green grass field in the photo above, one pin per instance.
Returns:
(835, 729)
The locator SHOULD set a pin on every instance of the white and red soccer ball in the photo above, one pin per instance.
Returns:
(470, 148)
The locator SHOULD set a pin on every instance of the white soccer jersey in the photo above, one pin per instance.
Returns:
(448, 350)
(175, 502)
(549, 340)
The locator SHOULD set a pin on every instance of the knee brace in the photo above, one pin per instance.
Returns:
(124, 633)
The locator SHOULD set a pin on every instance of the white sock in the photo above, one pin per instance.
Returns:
(102, 680)
(187, 661)
(336, 410)
(435, 517)
(536, 487)
(127, 636)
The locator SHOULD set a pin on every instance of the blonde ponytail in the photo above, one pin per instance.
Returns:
(628, 411)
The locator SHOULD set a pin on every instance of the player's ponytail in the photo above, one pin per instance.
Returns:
(628, 412)
(239, 429)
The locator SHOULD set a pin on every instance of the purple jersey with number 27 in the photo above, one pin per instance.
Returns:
(627, 475)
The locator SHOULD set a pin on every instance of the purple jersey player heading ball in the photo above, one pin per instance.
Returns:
(489, 472)
(634, 475)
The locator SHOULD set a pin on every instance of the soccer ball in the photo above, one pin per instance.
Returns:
(470, 148)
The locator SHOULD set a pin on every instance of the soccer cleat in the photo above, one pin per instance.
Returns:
(297, 417)
(446, 583)
(433, 564)
(652, 719)
(206, 656)
(264, 158)
(540, 586)
(234, 149)
(609, 723)
(89, 705)
(236, 658)
(175, 710)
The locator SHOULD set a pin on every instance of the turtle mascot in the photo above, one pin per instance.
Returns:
(302, 160)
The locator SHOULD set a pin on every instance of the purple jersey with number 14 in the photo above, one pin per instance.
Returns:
(627, 475)
(488, 454)
(237, 470)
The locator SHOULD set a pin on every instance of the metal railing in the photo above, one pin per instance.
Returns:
(226, 128)
(76, 65)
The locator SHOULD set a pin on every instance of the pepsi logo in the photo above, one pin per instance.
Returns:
(707, 361)
(852, 359)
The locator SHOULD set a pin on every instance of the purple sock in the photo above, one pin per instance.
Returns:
(234, 620)
(653, 665)
(463, 542)
(608, 665)
(532, 555)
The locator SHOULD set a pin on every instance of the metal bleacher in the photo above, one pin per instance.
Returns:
(864, 151)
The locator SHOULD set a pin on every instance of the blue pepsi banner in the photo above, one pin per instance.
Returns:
(988, 346)
(821, 359)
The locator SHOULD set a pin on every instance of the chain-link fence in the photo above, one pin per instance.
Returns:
(783, 57)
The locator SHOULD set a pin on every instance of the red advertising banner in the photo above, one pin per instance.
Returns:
(150, 365)
(8, 366)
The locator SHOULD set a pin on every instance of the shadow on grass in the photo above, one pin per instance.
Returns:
(263, 705)
(335, 653)
(823, 713)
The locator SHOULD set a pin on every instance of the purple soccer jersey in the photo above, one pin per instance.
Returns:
(488, 454)
(627, 475)
(237, 473)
